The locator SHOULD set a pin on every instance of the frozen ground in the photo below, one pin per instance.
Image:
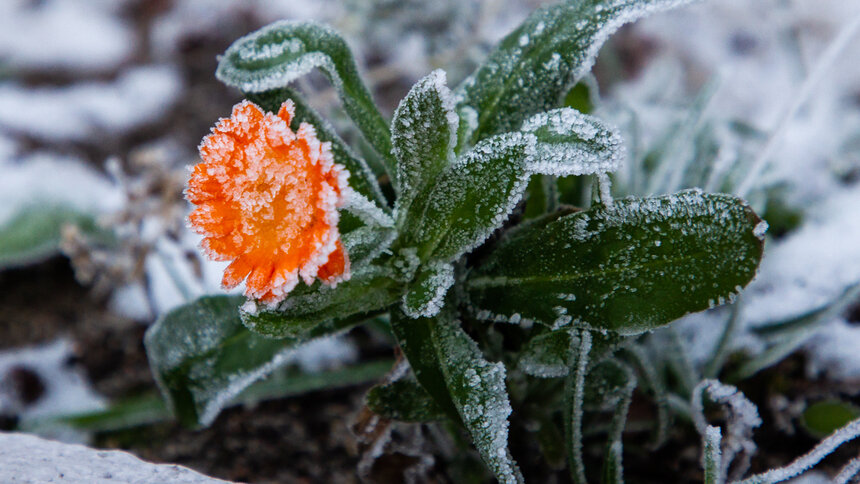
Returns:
(85, 82)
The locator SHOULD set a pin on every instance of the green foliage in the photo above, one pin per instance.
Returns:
(369, 290)
(202, 356)
(533, 67)
(404, 400)
(629, 267)
(424, 132)
(451, 367)
(33, 234)
(463, 247)
(823, 418)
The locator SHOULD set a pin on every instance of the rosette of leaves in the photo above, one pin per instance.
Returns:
(492, 288)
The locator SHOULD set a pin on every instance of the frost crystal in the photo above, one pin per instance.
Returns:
(571, 143)
(481, 399)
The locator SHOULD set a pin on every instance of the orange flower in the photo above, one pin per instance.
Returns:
(267, 199)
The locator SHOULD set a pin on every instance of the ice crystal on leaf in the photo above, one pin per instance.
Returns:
(267, 199)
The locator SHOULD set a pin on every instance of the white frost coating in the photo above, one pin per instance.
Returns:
(848, 472)
(711, 454)
(30, 459)
(799, 465)
(424, 120)
(89, 110)
(582, 359)
(367, 211)
(571, 143)
(282, 73)
(74, 35)
(760, 229)
(604, 186)
(468, 121)
(66, 389)
(485, 407)
(434, 290)
(742, 418)
(312, 357)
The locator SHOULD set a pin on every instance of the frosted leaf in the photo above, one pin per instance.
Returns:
(202, 356)
(403, 400)
(546, 355)
(426, 295)
(369, 289)
(284, 51)
(367, 211)
(572, 143)
(469, 199)
(450, 366)
(366, 243)
(604, 268)
(423, 136)
(574, 396)
(520, 79)
(480, 395)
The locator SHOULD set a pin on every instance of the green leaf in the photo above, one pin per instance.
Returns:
(404, 400)
(423, 135)
(369, 290)
(629, 267)
(450, 366)
(534, 66)
(284, 51)
(545, 355)
(823, 418)
(541, 196)
(202, 356)
(34, 233)
(571, 143)
(468, 200)
(612, 383)
(582, 96)
(574, 396)
(361, 177)
(365, 243)
(426, 295)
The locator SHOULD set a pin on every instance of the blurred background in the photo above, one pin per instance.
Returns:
(103, 104)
